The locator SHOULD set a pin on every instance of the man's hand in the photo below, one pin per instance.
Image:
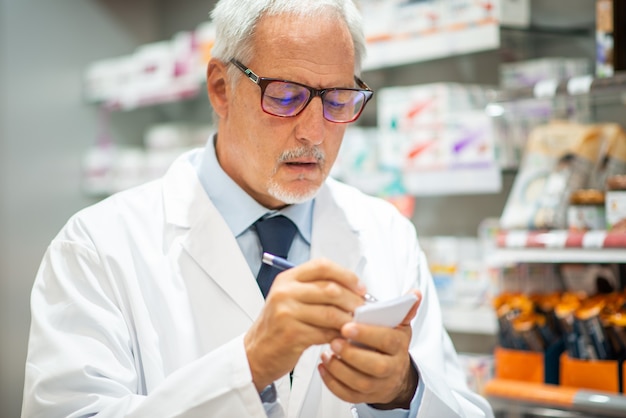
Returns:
(306, 305)
(381, 373)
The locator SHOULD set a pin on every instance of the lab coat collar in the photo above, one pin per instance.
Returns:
(338, 239)
(207, 238)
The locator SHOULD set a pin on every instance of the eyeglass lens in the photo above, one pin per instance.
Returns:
(287, 99)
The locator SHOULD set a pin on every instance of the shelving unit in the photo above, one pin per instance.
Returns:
(521, 399)
(515, 399)
(459, 64)
(536, 247)
(175, 94)
(559, 247)
(582, 85)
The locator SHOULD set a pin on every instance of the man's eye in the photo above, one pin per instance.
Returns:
(285, 101)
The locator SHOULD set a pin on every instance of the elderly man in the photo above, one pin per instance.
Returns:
(155, 303)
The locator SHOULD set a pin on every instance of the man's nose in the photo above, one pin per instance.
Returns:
(311, 122)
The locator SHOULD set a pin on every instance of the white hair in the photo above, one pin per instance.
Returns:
(236, 22)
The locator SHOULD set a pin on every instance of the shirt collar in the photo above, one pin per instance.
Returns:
(240, 210)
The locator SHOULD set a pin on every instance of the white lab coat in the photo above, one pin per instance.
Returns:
(141, 302)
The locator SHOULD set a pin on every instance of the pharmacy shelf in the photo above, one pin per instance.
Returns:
(167, 94)
(559, 246)
(555, 401)
(511, 256)
(574, 86)
(471, 320)
(406, 48)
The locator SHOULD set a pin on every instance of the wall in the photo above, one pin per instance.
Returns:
(177, 18)
(45, 129)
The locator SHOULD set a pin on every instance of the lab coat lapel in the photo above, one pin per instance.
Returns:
(208, 239)
(334, 235)
(336, 239)
(305, 397)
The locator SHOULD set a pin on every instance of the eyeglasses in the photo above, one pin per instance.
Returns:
(287, 98)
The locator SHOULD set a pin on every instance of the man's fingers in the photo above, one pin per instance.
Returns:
(320, 292)
(323, 269)
(341, 390)
(383, 339)
(323, 316)
(363, 360)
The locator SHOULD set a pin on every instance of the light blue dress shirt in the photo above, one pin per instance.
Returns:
(240, 211)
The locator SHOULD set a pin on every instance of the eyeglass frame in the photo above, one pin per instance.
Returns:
(263, 82)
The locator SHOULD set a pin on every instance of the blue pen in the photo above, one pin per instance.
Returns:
(282, 264)
(276, 261)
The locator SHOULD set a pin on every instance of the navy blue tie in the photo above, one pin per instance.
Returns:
(276, 234)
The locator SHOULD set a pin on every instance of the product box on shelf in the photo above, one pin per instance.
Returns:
(603, 375)
(478, 370)
(574, 339)
(559, 159)
(528, 366)
(358, 161)
(439, 136)
(612, 159)
(400, 31)
(460, 276)
(159, 72)
(610, 37)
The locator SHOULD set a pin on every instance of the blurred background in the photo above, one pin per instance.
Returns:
(59, 133)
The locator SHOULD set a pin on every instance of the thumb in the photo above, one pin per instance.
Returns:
(409, 316)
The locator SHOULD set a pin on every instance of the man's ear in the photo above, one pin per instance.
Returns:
(218, 87)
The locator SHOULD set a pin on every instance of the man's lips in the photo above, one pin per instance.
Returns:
(301, 163)
(302, 167)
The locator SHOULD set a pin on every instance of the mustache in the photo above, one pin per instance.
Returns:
(303, 152)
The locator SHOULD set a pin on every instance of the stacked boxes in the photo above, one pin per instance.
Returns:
(434, 131)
